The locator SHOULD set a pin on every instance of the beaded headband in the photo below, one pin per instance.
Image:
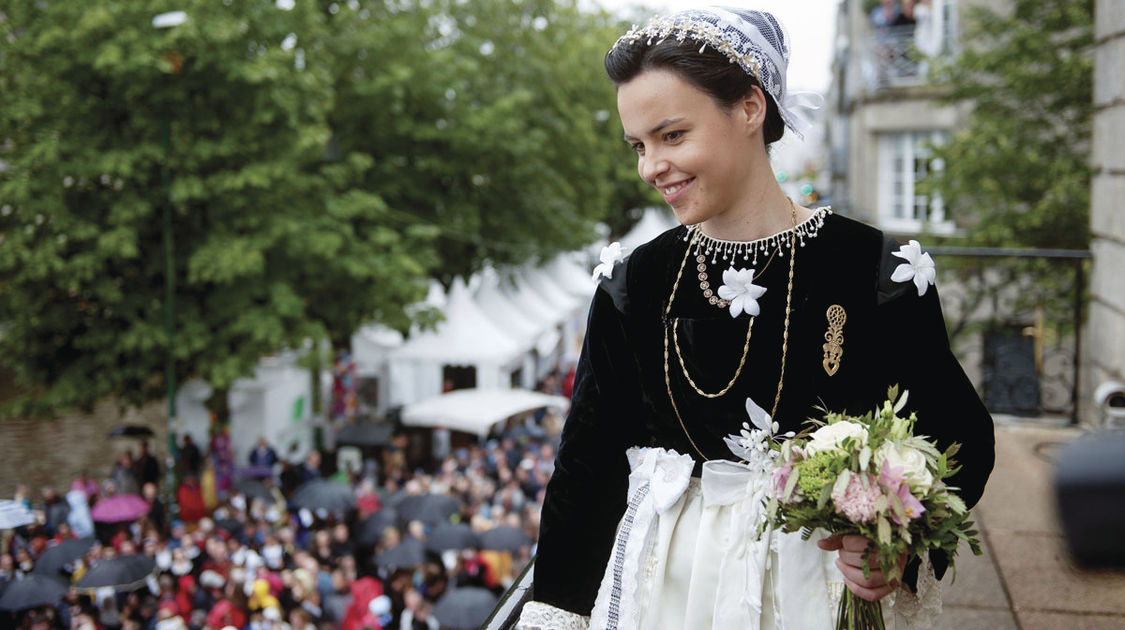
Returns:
(754, 40)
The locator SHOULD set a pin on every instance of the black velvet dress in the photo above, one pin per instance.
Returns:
(891, 336)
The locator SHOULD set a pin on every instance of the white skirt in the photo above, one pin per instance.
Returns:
(688, 554)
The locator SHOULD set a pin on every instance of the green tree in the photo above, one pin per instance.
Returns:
(491, 120)
(273, 244)
(1017, 174)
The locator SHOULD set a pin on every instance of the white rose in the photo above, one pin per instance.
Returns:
(910, 460)
(829, 437)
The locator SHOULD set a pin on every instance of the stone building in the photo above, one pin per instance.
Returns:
(1106, 330)
(882, 115)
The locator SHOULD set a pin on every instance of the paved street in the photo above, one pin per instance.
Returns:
(1025, 579)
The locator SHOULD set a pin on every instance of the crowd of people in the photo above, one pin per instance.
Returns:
(240, 551)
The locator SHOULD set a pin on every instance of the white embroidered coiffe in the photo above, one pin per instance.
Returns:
(754, 40)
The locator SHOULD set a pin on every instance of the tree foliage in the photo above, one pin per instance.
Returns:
(324, 160)
(492, 120)
(272, 244)
(1018, 173)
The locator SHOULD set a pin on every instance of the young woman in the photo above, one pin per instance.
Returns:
(755, 299)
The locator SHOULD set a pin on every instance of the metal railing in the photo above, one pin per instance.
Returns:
(507, 610)
(1005, 294)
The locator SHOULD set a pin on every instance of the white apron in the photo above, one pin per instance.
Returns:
(687, 555)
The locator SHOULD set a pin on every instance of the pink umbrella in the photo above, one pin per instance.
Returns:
(118, 508)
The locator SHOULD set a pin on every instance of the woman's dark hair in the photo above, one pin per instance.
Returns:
(710, 71)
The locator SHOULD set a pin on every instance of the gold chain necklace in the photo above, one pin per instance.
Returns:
(742, 361)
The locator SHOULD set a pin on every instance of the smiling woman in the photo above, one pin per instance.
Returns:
(644, 523)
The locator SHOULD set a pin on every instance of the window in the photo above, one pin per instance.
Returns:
(905, 158)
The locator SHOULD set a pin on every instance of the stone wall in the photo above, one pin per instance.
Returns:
(54, 452)
(1106, 329)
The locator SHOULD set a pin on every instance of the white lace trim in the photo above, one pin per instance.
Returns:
(920, 609)
(540, 616)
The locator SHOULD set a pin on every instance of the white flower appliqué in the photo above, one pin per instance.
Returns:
(752, 444)
(610, 256)
(739, 288)
(918, 267)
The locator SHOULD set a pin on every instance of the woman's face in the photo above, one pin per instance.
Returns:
(695, 153)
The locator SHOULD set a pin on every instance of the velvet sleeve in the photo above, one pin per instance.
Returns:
(920, 360)
(585, 497)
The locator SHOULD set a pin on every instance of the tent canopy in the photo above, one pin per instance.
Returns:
(466, 337)
(477, 410)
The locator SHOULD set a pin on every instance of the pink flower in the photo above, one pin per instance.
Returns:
(910, 505)
(780, 479)
(857, 501)
(891, 477)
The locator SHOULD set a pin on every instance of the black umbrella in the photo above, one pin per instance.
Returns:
(53, 561)
(254, 489)
(123, 573)
(465, 608)
(452, 536)
(408, 553)
(366, 434)
(131, 430)
(504, 538)
(371, 530)
(31, 592)
(231, 526)
(325, 494)
(432, 509)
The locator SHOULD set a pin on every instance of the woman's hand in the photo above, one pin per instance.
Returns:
(850, 563)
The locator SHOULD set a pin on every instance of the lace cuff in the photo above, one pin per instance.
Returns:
(540, 616)
(920, 609)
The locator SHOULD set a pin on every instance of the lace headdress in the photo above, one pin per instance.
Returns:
(754, 40)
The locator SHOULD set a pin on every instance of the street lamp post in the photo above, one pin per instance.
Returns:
(169, 20)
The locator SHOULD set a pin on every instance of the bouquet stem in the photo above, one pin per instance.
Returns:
(856, 613)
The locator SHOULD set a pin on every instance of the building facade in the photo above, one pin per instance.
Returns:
(1106, 330)
(883, 115)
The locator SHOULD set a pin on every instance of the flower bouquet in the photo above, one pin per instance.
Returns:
(867, 475)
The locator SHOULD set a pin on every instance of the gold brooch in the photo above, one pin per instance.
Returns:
(834, 339)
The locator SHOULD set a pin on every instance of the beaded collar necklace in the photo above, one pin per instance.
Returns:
(750, 250)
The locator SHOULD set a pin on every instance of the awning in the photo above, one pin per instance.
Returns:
(477, 410)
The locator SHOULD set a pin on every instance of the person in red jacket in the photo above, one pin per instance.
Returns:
(190, 498)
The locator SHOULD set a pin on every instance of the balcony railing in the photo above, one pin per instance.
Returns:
(891, 58)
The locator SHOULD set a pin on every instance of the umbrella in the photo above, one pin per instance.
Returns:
(504, 538)
(53, 561)
(131, 430)
(118, 508)
(31, 592)
(14, 514)
(231, 526)
(324, 494)
(452, 536)
(366, 434)
(371, 530)
(254, 489)
(123, 573)
(465, 608)
(408, 553)
(431, 509)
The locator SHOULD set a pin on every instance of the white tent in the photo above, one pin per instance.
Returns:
(571, 275)
(477, 410)
(467, 337)
(653, 223)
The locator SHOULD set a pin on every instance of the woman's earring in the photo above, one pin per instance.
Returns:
(834, 338)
